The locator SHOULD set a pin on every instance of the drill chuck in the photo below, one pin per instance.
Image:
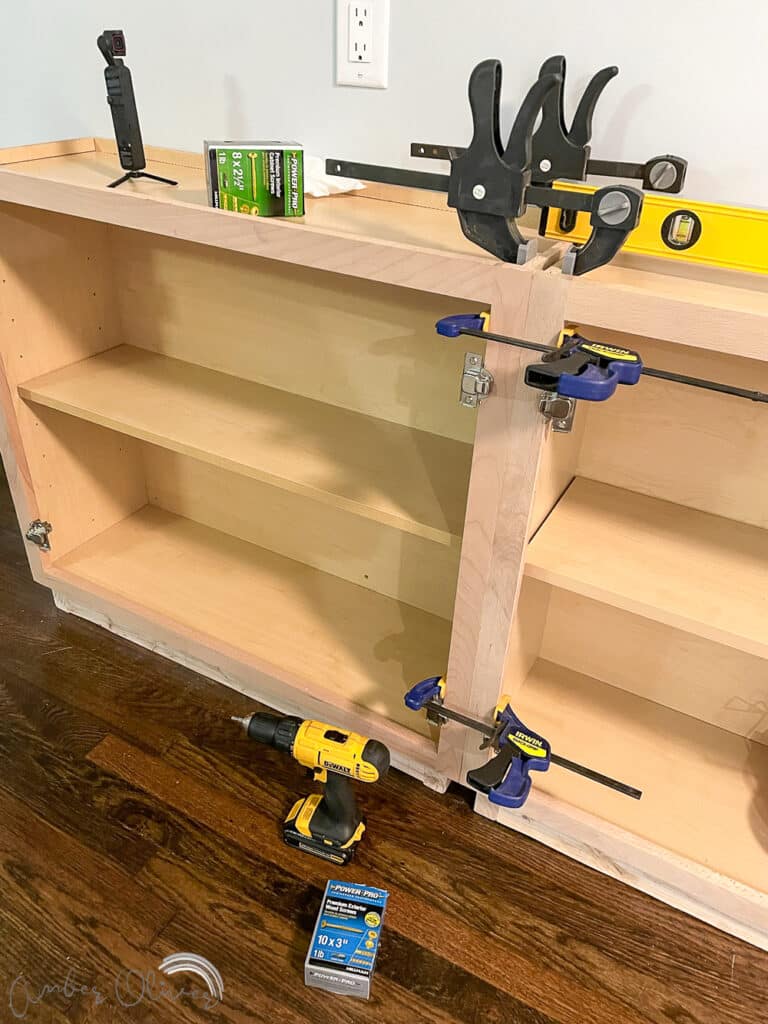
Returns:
(273, 730)
(377, 754)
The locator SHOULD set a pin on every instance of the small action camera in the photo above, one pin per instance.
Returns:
(122, 103)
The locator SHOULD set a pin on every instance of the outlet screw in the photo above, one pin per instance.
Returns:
(479, 191)
(545, 165)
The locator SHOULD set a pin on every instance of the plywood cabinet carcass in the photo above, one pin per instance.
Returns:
(246, 438)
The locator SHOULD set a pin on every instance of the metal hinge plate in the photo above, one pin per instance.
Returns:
(559, 410)
(476, 381)
(37, 533)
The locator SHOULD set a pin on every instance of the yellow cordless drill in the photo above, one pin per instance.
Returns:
(328, 824)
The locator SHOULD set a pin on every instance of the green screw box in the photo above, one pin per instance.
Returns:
(263, 179)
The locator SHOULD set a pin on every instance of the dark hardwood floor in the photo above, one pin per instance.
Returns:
(134, 823)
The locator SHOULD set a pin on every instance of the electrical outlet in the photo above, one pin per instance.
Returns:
(360, 33)
(362, 43)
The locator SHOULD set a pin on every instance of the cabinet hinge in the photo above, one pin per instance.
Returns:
(37, 533)
(476, 381)
(559, 410)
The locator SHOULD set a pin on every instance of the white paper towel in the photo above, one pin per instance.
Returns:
(317, 183)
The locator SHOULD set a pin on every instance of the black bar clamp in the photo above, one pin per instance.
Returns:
(562, 152)
(491, 185)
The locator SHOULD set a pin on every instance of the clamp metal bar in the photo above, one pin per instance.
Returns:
(593, 776)
(440, 711)
(388, 175)
(544, 197)
(535, 195)
(708, 385)
(615, 169)
(503, 339)
(647, 371)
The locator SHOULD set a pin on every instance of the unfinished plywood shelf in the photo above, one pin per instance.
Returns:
(702, 786)
(321, 633)
(687, 569)
(408, 479)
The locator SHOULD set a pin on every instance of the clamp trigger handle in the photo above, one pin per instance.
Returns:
(505, 779)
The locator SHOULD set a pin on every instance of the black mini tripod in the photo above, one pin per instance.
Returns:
(125, 116)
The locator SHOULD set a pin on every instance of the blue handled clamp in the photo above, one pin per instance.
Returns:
(574, 368)
(579, 368)
(428, 691)
(505, 779)
(460, 323)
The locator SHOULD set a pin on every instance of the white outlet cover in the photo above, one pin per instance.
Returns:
(372, 72)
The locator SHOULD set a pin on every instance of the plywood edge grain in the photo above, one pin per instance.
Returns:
(47, 150)
(463, 273)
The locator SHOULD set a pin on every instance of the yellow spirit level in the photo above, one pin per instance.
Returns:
(731, 237)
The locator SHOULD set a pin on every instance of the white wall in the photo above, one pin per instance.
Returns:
(693, 76)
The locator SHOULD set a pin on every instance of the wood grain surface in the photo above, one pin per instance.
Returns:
(690, 570)
(135, 824)
(409, 479)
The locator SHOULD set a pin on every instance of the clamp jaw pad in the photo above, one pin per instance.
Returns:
(453, 326)
(432, 689)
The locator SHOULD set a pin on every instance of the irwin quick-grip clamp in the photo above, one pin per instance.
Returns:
(578, 368)
(505, 779)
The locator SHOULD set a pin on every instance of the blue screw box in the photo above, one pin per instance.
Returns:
(342, 955)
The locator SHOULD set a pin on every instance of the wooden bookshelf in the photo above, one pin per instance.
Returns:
(247, 439)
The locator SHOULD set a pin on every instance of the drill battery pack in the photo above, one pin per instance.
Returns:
(345, 942)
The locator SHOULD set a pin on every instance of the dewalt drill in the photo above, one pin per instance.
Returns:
(327, 824)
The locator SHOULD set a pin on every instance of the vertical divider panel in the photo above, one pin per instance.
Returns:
(508, 448)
